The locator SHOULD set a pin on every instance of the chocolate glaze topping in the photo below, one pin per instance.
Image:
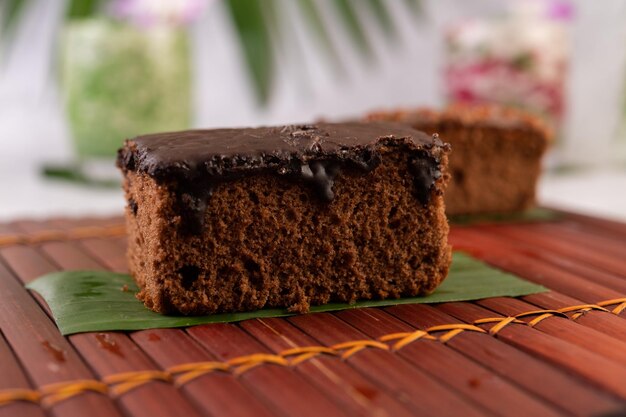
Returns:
(196, 160)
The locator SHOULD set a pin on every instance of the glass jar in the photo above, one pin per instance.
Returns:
(120, 80)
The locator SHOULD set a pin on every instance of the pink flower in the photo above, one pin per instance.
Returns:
(157, 12)
(560, 10)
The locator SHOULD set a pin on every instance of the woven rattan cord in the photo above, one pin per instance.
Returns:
(119, 384)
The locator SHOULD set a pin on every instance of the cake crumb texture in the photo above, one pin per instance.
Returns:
(267, 241)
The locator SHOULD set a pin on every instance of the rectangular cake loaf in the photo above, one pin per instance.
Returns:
(496, 154)
(241, 219)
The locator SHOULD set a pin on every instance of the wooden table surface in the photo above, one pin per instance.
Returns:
(557, 353)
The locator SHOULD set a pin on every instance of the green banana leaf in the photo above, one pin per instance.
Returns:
(536, 214)
(85, 301)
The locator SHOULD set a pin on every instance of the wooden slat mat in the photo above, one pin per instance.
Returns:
(552, 354)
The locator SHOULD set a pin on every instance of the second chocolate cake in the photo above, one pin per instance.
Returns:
(496, 154)
(241, 219)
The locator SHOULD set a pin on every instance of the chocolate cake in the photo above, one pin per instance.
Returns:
(496, 154)
(241, 219)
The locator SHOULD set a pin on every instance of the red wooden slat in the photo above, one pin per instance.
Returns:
(219, 394)
(277, 385)
(68, 256)
(593, 255)
(113, 352)
(12, 376)
(109, 353)
(8, 229)
(46, 356)
(112, 255)
(606, 323)
(100, 221)
(583, 236)
(495, 251)
(451, 368)
(590, 366)
(543, 380)
(335, 378)
(563, 328)
(112, 251)
(572, 265)
(33, 227)
(590, 287)
(425, 394)
(518, 354)
(613, 227)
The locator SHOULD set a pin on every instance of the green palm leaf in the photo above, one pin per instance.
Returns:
(383, 17)
(273, 19)
(253, 21)
(252, 29)
(311, 13)
(353, 25)
(415, 6)
(9, 12)
(80, 9)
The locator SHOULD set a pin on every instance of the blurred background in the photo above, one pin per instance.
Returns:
(79, 76)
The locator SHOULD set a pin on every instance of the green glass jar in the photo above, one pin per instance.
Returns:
(120, 81)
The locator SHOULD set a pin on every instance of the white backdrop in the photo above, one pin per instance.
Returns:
(306, 88)
(33, 129)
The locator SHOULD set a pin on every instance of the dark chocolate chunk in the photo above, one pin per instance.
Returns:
(322, 175)
(132, 204)
(425, 170)
(189, 275)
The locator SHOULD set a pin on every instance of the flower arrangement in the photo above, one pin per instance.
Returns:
(520, 60)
